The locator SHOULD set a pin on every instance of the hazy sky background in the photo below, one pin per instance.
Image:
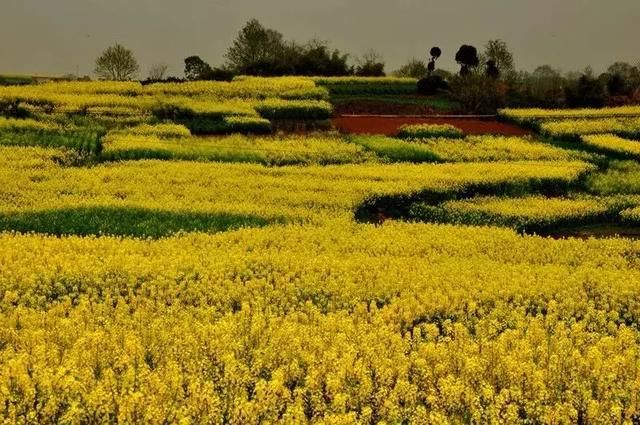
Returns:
(54, 37)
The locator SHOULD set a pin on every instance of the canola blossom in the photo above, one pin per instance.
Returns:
(613, 144)
(532, 213)
(300, 324)
(271, 98)
(591, 113)
(236, 148)
(573, 128)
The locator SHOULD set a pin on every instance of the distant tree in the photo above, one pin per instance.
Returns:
(196, 69)
(477, 93)
(492, 70)
(315, 58)
(255, 48)
(117, 63)
(467, 58)
(435, 53)
(371, 64)
(616, 84)
(623, 79)
(546, 86)
(586, 91)
(415, 68)
(498, 52)
(157, 71)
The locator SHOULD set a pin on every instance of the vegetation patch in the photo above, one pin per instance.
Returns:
(613, 145)
(531, 214)
(427, 131)
(268, 151)
(124, 221)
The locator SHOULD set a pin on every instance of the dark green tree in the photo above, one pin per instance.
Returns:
(255, 48)
(467, 58)
(196, 69)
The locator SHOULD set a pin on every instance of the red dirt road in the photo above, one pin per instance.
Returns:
(389, 125)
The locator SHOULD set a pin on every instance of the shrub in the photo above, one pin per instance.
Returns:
(247, 125)
(164, 131)
(396, 150)
(532, 213)
(277, 109)
(432, 85)
(478, 93)
(425, 131)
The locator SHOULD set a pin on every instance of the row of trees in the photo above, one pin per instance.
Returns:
(496, 57)
(256, 50)
(487, 79)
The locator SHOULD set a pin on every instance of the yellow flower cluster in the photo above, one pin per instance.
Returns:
(12, 124)
(545, 114)
(425, 131)
(471, 149)
(537, 212)
(163, 131)
(591, 126)
(496, 148)
(344, 324)
(279, 97)
(236, 148)
(614, 144)
(245, 87)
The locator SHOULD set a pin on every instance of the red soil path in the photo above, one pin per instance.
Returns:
(388, 125)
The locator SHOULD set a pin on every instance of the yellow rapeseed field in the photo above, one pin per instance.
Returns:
(221, 284)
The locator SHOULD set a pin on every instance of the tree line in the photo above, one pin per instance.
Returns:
(256, 50)
(487, 79)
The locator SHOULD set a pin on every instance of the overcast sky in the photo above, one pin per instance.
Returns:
(54, 37)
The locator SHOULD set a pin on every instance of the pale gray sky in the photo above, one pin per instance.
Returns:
(55, 37)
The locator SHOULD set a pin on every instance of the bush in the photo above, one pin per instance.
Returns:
(276, 109)
(432, 85)
(425, 131)
(228, 125)
(478, 93)
(395, 150)
(247, 125)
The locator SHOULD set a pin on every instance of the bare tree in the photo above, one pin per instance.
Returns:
(117, 63)
(498, 52)
(158, 71)
(371, 64)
